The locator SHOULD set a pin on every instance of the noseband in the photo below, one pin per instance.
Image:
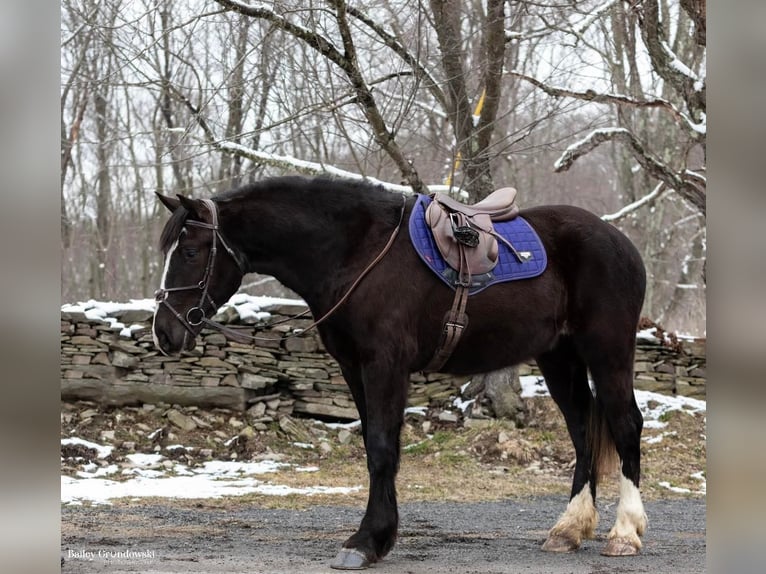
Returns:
(196, 315)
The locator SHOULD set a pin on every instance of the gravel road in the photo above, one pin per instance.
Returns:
(464, 538)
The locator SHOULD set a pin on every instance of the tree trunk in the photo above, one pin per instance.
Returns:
(500, 393)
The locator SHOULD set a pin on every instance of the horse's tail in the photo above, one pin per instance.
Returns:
(604, 458)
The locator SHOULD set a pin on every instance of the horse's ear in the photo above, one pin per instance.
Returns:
(195, 207)
(170, 202)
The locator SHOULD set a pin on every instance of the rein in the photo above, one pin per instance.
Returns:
(189, 321)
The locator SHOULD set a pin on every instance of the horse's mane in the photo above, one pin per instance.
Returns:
(346, 194)
(308, 186)
(297, 190)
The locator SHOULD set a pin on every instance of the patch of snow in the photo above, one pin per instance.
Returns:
(533, 386)
(667, 403)
(140, 459)
(701, 477)
(101, 491)
(416, 411)
(347, 426)
(213, 480)
(93, 471)
(101, 450)
(154, 434)
(305, 445)
(461, 404)
(679, 489)
(223, 468)
(658, 438)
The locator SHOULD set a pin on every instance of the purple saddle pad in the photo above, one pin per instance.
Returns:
(517, 231)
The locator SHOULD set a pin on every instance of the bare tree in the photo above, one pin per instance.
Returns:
(202, 95)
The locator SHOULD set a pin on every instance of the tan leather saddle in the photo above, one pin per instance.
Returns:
(464, 233)
(468, 242)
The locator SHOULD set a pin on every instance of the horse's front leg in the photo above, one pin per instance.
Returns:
(385, 394)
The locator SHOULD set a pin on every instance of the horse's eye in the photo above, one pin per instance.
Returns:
(190, 252)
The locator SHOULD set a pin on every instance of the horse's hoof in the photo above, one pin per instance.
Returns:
(350, 559)
(619, 546)
(556, 543)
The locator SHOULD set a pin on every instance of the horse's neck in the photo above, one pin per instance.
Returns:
(304, 248)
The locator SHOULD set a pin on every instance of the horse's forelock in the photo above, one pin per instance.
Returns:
(172, 229)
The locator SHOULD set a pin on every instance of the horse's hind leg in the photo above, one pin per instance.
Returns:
(611, 367)
(567, 379)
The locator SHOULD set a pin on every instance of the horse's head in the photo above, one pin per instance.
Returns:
(202, 271)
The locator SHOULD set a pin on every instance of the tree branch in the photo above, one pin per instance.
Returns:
(617, 99)
(288, 162)
(393, 43)
(687, 187)
(691, 88)
(631, 207)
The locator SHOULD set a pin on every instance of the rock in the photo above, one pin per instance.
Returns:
(447, 417)
(503, 437)
(235, 423)
(129, 445)
(293, 430)
(257, 410)
(344, 436)
(247, 432)
(200, 423)
(124, 360)
(88, 414)
(181, 420)
(325, 447)
(426, 426)
(301, 344)
(312, 408)
(206, 452)
(472, 423)
(107, 435)
(130, 316)
(255, 382)
(230, 380)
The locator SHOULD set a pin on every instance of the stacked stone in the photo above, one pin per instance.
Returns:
(278, 374)
(671, 369)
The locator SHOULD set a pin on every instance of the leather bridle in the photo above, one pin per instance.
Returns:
(195, 316)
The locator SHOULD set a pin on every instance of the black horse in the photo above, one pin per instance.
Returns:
(318, 236)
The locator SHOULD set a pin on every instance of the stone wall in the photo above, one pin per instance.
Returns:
(108, 363)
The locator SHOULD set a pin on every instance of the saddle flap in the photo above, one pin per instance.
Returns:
(479, 259)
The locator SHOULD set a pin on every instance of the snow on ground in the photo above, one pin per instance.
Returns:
(149, 477)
